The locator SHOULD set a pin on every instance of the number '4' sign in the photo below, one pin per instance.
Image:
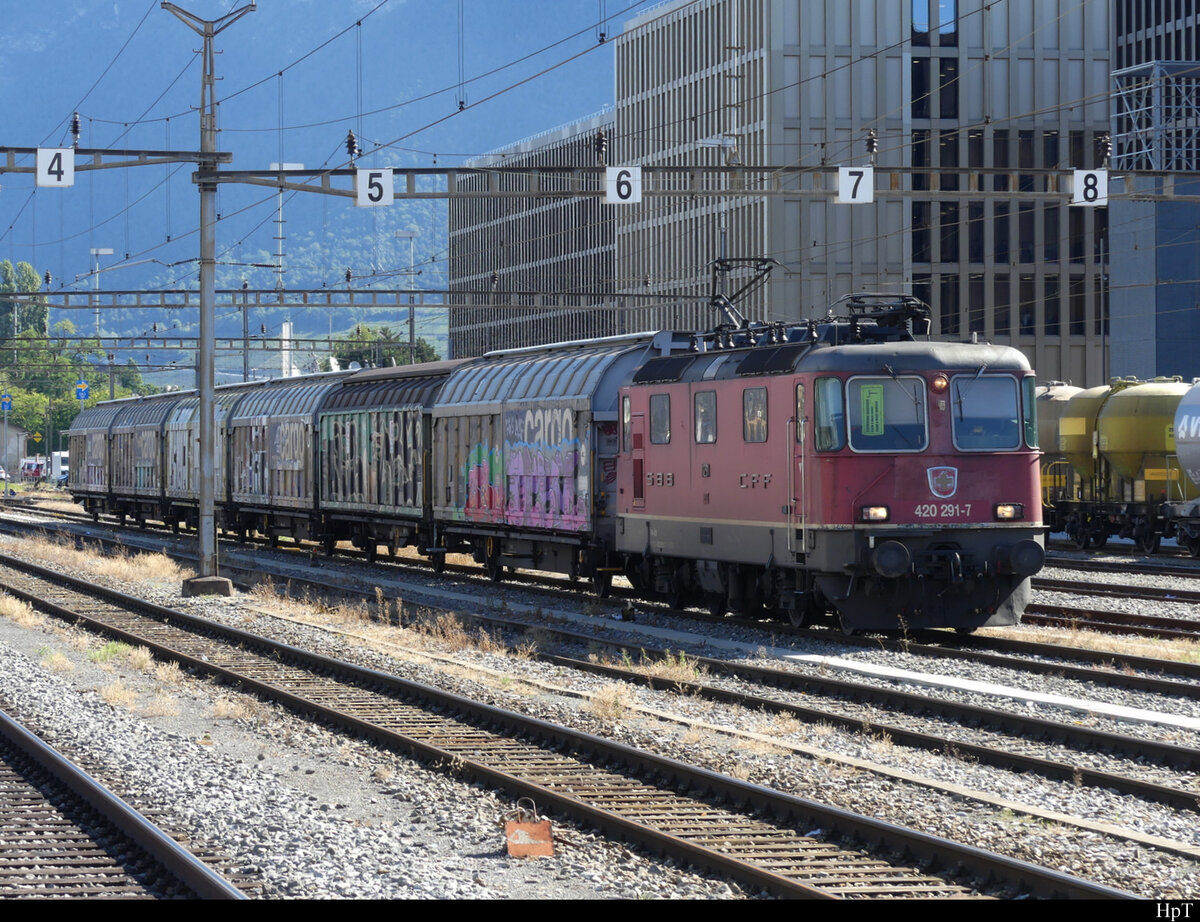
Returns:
(56, 166)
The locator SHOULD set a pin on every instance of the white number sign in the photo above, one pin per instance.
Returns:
(856, 185)
(623, 185)
(373, 188)
(56, 166)
(1090, 187)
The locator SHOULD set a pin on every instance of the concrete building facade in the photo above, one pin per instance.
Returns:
(943, 86)
(1155, 285)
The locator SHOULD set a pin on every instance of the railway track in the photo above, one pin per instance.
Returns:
(65, 836)
(686, 812)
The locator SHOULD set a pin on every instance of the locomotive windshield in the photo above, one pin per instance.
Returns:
(986, 412)
(887, 414)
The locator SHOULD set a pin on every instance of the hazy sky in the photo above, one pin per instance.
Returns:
(388, 70)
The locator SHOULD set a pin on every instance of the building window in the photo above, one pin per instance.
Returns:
(1050, 306)
(949, 305)
(948, 159)
(921, 88)
(1000, 159)
(975, 232)
(920, 158)
(1050, 226)
(1027, 306)
(1001, 245)
(920, 22)
(976, 304)
(1001, 308)
(948, 87)
(947, 22)
(921, 235)
(1025, 224)
(1078, 307)
(949, 231)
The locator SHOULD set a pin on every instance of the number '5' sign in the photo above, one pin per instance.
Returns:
(373, 188)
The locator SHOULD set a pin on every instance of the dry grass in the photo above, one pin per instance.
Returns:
(118, 694)
(610, 704)
(140, 658)
(124, 567)
(162, 705)
(57, 662)
(168, 673)
(673, 668)
(382, 774)
(21, 613)
(880, 743)
(234, 708)
(778, 724)
(1183, 651)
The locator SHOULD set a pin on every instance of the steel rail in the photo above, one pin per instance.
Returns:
(177, 860)
(667, 774)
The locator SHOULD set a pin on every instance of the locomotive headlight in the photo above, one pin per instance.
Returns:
(939, 384)
(873, 514)
(1007, 512)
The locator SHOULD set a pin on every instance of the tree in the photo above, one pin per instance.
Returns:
(23, 279)
(377, 348)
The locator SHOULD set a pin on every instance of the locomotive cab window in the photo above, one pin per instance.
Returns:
(1029, 386)
(705, 411)
(660, 419)
(887, 414)
(626, 425)
(985, 411)
(830, 412)
(754, 414)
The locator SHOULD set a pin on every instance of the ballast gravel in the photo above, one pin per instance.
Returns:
(414, 832)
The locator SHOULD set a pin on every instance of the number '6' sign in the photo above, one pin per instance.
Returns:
(623, 185)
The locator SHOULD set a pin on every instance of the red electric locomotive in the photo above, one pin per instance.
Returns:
(841, 468)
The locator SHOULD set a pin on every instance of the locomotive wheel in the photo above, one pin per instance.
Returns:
(1148, 544)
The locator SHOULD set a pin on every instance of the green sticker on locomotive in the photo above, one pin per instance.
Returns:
(872, 409)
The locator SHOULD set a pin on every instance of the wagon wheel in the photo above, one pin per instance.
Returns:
(372, 550)
(716, 603)
(601, 583)
(439, 563)
(1082, 537)
(393, 546)
(495, 569)
(273, 539)
(1099, 539)
(1148, 544)
(329, 544)
(1194, 546)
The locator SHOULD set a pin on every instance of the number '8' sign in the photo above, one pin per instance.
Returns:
(1090, 187)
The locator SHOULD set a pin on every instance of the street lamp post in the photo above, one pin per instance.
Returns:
(411, 236)
(96, 253)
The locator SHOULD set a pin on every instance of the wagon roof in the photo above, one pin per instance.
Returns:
(287, 397)
(406, 385)
(570, 372)
(99, 417)
(149, 411)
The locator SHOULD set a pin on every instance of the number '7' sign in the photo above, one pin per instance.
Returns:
(856, 185)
